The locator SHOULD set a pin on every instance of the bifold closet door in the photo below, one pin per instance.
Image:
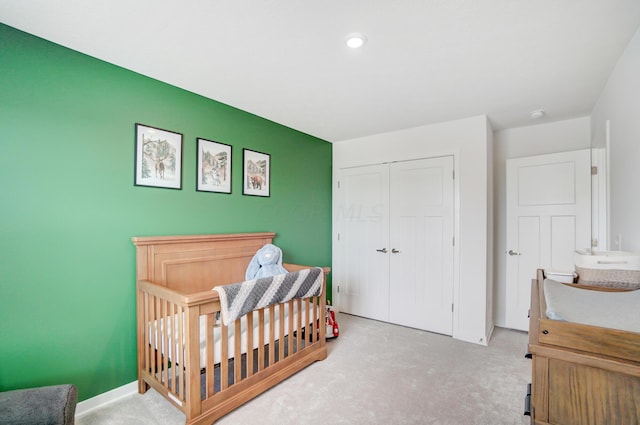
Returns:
(421, 244)
(363, 223)
(395, 242)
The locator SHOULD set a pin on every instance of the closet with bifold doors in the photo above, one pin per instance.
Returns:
(396, 242)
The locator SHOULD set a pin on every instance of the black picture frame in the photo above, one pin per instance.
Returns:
(256, 174)
(158, 157)
(213, 166)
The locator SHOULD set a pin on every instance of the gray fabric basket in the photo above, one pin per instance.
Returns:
(611, 278)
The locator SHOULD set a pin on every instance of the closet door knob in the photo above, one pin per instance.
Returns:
(512, 252)
(382, 250)
(394, 251)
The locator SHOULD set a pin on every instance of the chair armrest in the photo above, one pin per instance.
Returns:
(55, 404)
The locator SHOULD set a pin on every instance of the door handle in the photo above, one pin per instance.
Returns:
(512, 252)
(394, 251)
(382, 250)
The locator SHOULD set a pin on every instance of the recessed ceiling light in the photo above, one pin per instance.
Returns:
(355, 40)
(537, 114)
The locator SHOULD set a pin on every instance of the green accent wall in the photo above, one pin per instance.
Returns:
(69, 206)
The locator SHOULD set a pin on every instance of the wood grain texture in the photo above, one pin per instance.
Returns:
(582, 395)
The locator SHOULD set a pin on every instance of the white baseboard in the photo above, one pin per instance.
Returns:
(103, 399)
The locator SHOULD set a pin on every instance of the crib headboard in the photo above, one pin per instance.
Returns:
(196, 263)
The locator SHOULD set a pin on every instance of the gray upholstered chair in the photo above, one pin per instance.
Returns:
(51, 405)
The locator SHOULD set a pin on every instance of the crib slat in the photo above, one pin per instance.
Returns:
(260, 339)
(209, 365)
(157, 339)
(146, 330)
(310, 324)
(237, 352)
(281, 332)
(314, 321)
(272, 326)
(224, 358)
(290, 319)
(319, 317)
(299, 324)
(192, 360)
(249, 344)
(152, 335)
(164, 373)
(179, 356)
(168, 336)
(173, 311)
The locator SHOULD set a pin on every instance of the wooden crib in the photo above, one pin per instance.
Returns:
(178, 324)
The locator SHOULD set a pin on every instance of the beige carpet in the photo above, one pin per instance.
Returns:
(376, 373)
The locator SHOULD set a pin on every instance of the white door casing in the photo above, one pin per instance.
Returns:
(548, 218)
(599, 200)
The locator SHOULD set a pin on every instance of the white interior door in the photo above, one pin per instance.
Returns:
(421, 241)
(548, 218)
(363, 220)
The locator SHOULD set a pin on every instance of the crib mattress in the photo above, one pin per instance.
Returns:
(613, 310)
(172, 322)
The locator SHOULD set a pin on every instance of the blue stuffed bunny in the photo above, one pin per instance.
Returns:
(267, 262)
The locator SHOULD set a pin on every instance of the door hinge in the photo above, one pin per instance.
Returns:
(452, 308)
(338, 289)
(453, 241)
(594, 170)
(338, 184)
(454, 174)
(338, 236)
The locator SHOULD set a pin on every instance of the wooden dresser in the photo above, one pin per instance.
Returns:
(581, 374)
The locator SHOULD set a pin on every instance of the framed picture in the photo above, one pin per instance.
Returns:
(213, 167)
(158, 157)
(255, 176)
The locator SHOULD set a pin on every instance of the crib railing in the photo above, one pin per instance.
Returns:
(234, 363)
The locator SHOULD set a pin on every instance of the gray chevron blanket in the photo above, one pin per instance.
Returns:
(238, 299)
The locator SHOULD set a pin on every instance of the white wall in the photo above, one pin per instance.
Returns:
(467, 140)
(620, 103)
(560, 136)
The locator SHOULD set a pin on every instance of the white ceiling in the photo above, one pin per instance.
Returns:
(425, 61)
